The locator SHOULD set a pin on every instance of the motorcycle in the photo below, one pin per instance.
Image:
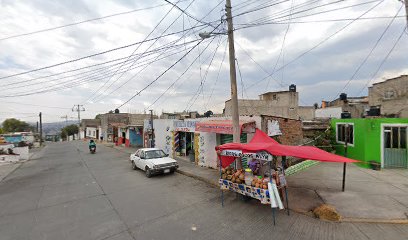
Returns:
(92, 149)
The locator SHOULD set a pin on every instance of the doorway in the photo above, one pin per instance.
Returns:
(394, 147)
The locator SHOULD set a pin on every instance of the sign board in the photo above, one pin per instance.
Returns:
(184, 126)
(273, 128)
(264, 156)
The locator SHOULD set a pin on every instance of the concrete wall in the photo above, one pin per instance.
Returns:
(91, 132)
(163, 129)
(306, 113)
(391, 95)
(283, 104)
(207, 156)
(23, 152)
(328, 112)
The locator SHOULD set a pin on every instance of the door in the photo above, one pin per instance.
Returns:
(395, 147)
(140, 160)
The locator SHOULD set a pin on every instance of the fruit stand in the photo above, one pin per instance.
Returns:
(264, 179)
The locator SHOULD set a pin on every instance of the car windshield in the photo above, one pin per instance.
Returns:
(154, 154)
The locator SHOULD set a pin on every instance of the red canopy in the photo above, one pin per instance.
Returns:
(262, 142)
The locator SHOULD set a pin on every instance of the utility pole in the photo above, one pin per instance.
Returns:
(66, 119)
(41, 135)
(233, 79)
(406, 11)
(151, 122)
(78, 108)
(37, 126)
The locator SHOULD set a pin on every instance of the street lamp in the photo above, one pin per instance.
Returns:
(233, 77)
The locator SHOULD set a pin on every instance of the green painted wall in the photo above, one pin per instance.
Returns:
(367, 138)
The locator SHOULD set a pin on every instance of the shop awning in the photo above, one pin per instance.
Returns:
(224, 126)
(262, 142)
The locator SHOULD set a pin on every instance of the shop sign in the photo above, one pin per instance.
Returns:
(264, 156)
(184, 126)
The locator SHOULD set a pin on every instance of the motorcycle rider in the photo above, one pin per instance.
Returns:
(92, 144)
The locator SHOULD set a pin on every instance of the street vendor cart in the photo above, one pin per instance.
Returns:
(264, 178)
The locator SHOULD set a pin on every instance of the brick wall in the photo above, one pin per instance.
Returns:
(291, 129)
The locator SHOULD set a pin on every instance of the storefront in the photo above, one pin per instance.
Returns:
(135, 134)
(184, 137)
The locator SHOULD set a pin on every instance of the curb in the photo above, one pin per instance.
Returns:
(374, 220)
(342, 220)
(309, 214)
(212, 183)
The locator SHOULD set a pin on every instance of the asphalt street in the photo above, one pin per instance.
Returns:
(68, 193)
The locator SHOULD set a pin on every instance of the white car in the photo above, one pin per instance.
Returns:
(153, 161)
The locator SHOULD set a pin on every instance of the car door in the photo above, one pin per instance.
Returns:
(140, 160)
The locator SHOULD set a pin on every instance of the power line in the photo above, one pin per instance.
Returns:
(35, 105)
(197, 94)
(179, 77)
(93, 71)
(319, 44)
(168, 27)
(89, 56)
(384, 60)
(218, 76)
(157, 78)
(79, 81)
(371, 51)
(184, 35)
(81, 22)
(137, 48)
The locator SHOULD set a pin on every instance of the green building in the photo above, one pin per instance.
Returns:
(374, 141)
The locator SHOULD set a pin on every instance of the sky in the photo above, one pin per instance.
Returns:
(140, 55)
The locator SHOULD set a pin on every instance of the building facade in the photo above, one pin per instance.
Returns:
(391, 96)
(374, 141)
(283, 104)
(196, 139)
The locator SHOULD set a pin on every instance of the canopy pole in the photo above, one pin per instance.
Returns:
(286, 189)
(222, 192)
(271, 194)
(345, 155)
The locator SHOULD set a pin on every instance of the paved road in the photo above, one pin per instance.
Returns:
(68, 193)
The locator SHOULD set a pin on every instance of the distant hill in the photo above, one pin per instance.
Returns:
(54, 128)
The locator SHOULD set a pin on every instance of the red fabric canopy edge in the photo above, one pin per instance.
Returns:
(262, 142)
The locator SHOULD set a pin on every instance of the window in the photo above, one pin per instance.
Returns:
(389, 94)
(395, 137)
(341, 133)
(274, 97)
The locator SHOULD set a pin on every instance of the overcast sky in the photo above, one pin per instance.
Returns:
(318, 47)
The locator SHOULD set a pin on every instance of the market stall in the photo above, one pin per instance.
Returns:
(264, 179)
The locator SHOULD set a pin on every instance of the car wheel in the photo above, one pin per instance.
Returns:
(134, 165)
(148, 172)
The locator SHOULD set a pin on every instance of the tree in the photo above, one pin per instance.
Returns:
(69, 130)
(15, 125)
(98, 116)
(1, 130)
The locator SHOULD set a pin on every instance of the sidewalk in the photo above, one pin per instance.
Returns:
(370, 196)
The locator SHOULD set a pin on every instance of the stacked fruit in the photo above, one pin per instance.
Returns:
(233, 175)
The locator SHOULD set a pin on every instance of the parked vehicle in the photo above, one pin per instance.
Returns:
(153, 161)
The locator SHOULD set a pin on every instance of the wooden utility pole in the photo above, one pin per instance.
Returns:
(66, 119)
(78, 108)
(233, 79)
(41, 135)
(406, 11)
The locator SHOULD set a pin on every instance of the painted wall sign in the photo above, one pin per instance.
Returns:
(184, 126)
(273, 128)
